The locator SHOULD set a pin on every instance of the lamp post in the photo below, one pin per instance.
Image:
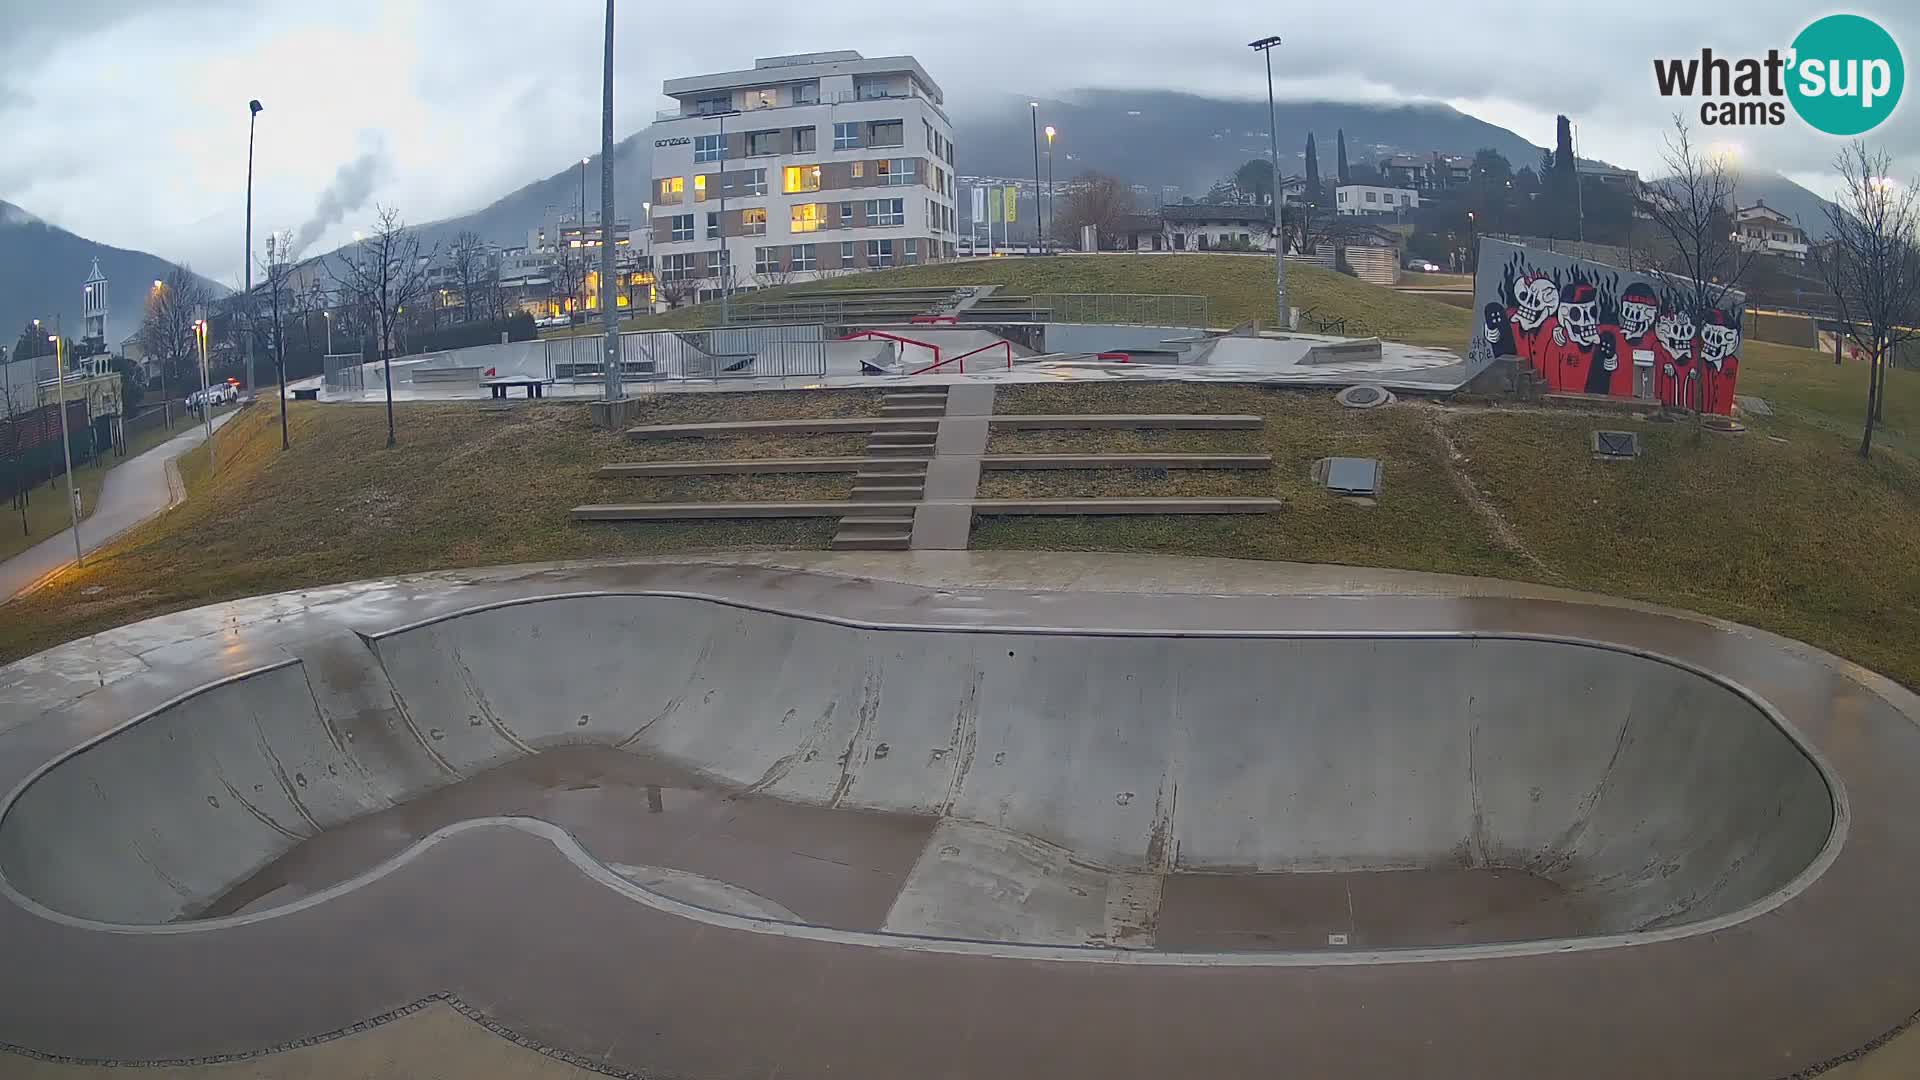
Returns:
(1265, 47)
(166, 402)
(1051, 131)
(200, 332)
(726, 264)
(1034, 107)
(246, 294)
(66, 441)
(609, 314)
(1472, 263)
(580, 301)
(328, 316)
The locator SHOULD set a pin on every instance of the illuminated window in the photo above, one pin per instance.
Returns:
(801, 178)
(753, 222)
(672, 188)
(859, 169)
(803, 258)
(806, 218)
(895, 172)
(699, 189)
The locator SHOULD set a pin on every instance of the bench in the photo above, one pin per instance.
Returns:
(311, 393)
(535, 387)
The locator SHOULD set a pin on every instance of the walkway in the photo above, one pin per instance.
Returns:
(135, 490)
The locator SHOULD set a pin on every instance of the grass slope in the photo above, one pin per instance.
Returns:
(46, 510)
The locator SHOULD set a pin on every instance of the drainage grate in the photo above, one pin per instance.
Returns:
(1616, 444)
(1353, 475)
(1364, 397)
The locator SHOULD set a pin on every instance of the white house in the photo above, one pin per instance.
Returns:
(1368, 199)
(802, 165)
(1762, 228)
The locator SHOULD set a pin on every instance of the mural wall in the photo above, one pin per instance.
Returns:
(1589, 328)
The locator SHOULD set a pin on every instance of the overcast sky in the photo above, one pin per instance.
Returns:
(126, 120)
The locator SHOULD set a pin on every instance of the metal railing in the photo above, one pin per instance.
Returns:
(666, 355)
(343, 374)
(1136, 309)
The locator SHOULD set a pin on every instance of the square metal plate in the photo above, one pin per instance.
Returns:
(1616, 444)
(1353, 475)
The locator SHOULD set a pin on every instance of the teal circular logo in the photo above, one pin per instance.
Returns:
(1847, 74)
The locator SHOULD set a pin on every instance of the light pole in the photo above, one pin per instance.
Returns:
(66, 441)
(166, 403)
(1049, 214)
(1265, 47)
(200, 331)
(1034, 106)
(246, 294)
(328, 316)
(580, 301)
(609, 311)
(726, 264)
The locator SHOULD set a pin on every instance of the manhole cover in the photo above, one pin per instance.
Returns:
(1353, 475)
(1616, 444)
(1363, 397)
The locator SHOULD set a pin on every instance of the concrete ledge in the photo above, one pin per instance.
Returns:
(1126, 461)
(826, 426)
(734, 465)
(445, 374)
(1127, 506)
(610, 415)
(685, 511)
(1183, 422)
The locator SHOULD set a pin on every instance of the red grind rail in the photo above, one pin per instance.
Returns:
(962, 358)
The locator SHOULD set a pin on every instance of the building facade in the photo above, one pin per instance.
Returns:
(802, 166)
(1351, 199)
(1762, 228)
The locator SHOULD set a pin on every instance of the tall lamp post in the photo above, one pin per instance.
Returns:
(66, 441)
(580, 301)
(1265, 47)
(1038, 222)
(246, 295)
(200, 330)
(1048, 216)
(609, 311)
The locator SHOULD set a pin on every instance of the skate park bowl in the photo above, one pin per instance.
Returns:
(1224, 793)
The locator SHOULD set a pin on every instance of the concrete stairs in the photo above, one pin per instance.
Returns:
(893, 472)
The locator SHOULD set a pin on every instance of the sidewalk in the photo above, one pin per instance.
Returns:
(134, 491)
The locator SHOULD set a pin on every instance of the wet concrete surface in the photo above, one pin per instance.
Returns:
(838, 868)
(1376, 909)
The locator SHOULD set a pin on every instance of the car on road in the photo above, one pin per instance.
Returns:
(1422, 266)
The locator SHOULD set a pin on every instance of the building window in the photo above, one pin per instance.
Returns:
(887, 133)
(718, 263)
(895, 172)
(932, 147)
(803, 140)
(676, 267)
(761, 99)
(846, 215)
(713, 226)
(1342, 196)
(859, 169)
(801, 178)
(718, 103)
(672, 188)
(700, 188)
(806, 218)
(766, 260)
(682, 227)
(879, 253)
(763, 143)
(886, 211)
(806, 93)
(846, 253)
(752, 182)
(803, 258)
(846, 136)
(911, 255)
(753, 222)
(1370, 197)
(706, 148)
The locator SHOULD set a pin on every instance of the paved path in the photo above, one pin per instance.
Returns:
(135, 490)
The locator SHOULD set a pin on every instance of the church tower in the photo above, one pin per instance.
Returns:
(93, 304)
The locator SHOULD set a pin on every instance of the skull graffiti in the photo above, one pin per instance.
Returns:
(1638, 309)
(1718, 338)
(1537, 299)
(1580, 315)
(1675, 329)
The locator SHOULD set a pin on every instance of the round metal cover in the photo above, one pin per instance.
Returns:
(1363, 397)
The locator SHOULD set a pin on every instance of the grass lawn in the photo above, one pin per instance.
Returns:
(1237, 287)
(47, 507)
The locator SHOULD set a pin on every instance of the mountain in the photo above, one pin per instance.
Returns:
(505, 221)
(1161, 138)
(42, 267)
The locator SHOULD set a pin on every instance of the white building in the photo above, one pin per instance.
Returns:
(1762, 228)
(1368, 199)
(803, 165)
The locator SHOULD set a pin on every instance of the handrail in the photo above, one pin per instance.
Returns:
(871, 334)
(962, 358)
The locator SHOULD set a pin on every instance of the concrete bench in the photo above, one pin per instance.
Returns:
(535, 387)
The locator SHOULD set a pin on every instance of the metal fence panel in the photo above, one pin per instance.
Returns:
(1138, 309)
(343, 373)
(666, 355)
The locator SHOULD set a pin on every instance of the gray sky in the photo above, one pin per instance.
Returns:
(130, 125)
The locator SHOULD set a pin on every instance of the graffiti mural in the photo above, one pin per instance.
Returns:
(1588, 328)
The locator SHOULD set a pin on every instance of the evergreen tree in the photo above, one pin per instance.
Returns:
(1313, 173)
(1346, 174)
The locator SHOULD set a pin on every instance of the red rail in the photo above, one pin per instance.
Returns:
(962, 358)
(882, 334)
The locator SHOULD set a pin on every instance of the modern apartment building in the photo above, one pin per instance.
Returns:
(802, 166)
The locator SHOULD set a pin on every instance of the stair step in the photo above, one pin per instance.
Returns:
(886, 494)
(915, 396)
(890, 470)
(891, 542)
(865, 523)
(916, 453)
(903, 411)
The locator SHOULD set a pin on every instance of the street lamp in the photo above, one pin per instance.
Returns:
(1265, 47)
(1051, 131)
(1472, 224)
(328, 316)
(200, 332)
(1039, 221)
(66, 443)
(610, 318)
(246, 295)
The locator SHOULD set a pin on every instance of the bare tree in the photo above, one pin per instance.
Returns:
(384, 273)
(1872, 266)
(569, 274)
(676, 291)
(167, 331)
(1692, 210)
(1099, 200)
(278, 270)
(771, 279)
(468, 259)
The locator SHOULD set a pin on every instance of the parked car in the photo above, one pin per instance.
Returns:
(1422, 266)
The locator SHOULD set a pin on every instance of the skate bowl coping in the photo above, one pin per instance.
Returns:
(1669, 799)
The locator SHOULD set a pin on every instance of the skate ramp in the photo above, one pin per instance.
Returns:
(1646, 793)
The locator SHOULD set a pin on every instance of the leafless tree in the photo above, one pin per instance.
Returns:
(277, 270)
(569, 274)
(1099, 200)
(1872, 266)
(1692, 212)
(774, 278)
(167, 331)
(385, 273)
(676, 291)
(468, 259)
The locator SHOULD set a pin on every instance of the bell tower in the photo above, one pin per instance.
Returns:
(93, 305)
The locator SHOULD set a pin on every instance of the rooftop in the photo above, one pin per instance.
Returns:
(799, 67)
